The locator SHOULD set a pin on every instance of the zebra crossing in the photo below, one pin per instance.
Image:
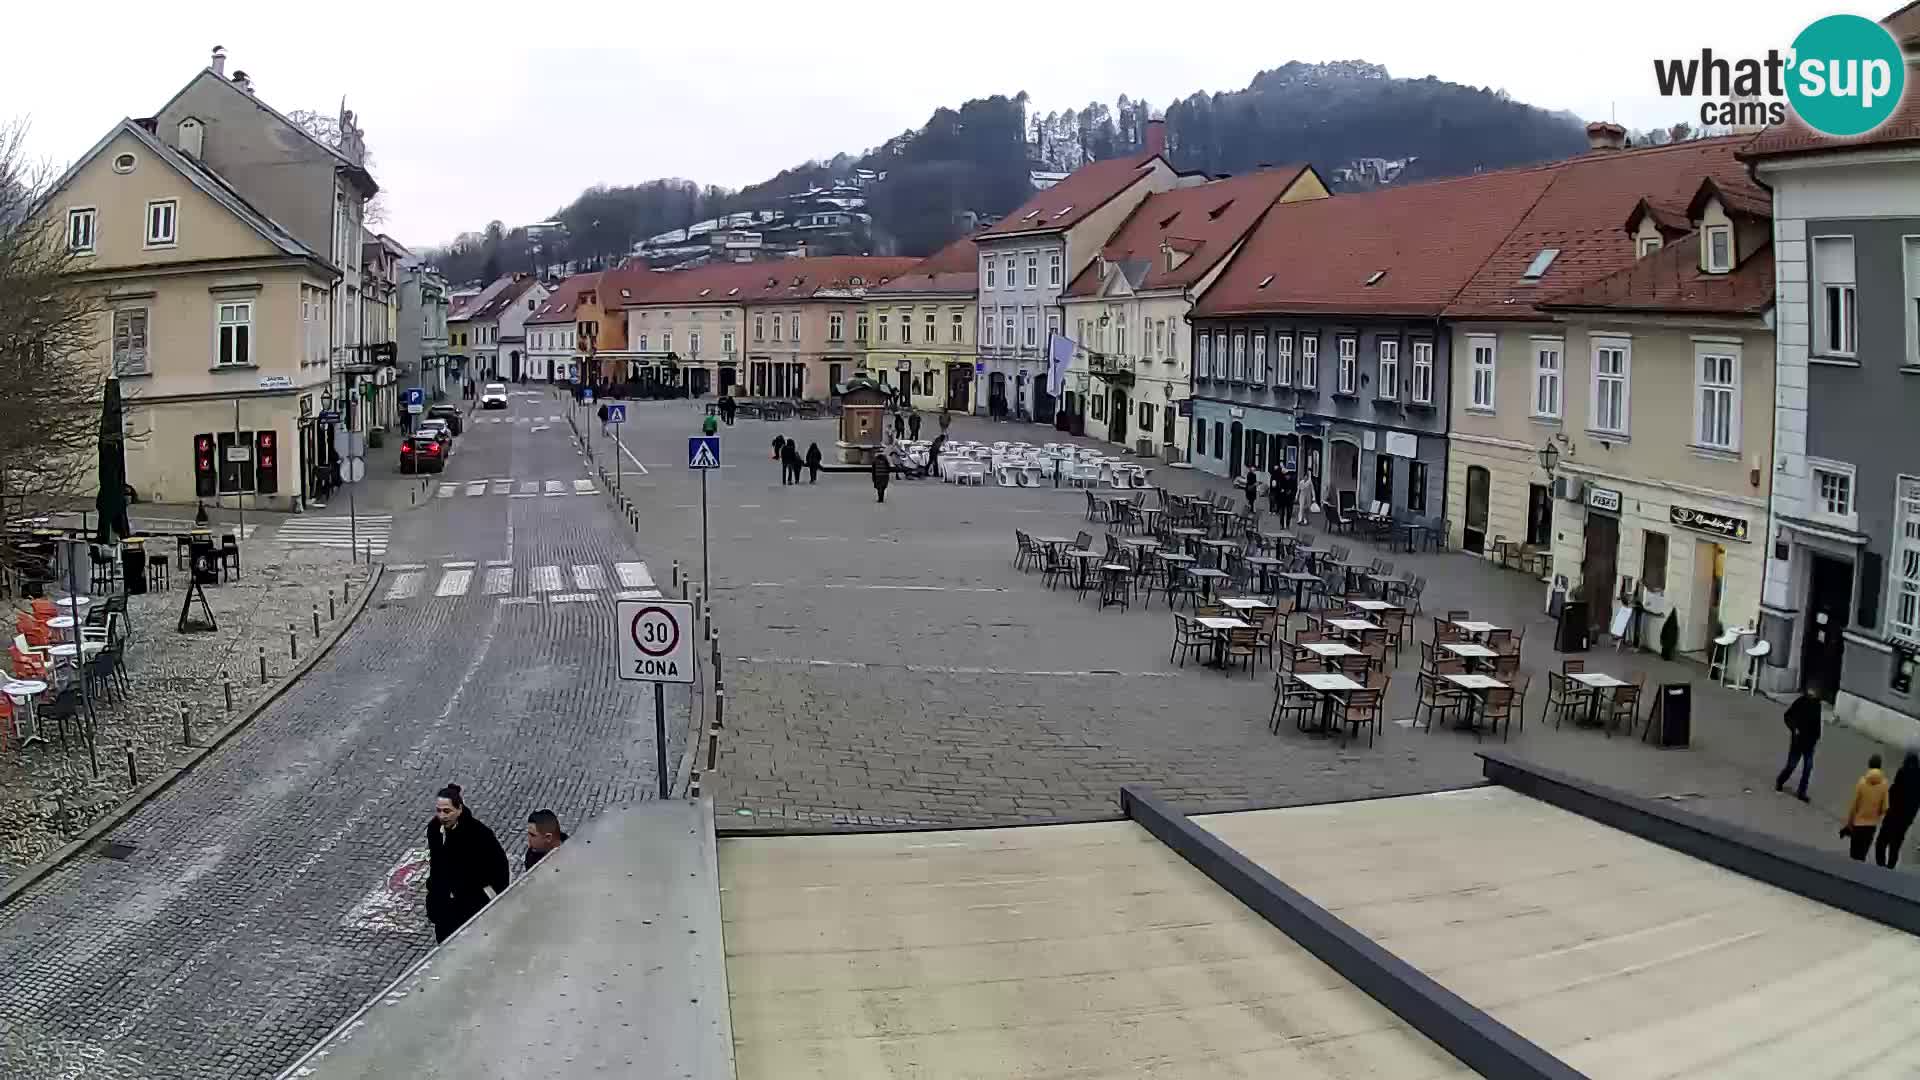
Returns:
(554, 419)
(370, 531)
(514, 489)
(572, 583)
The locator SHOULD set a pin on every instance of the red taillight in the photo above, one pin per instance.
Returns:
(406, 448)
(434, 447)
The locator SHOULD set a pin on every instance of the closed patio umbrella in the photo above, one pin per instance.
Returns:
(111, 502)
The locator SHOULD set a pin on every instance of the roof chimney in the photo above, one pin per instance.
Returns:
(219, 64)
(1156, 137)
(242, 80)
(1605, 135)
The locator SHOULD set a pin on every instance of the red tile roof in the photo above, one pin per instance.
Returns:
(516, 287)
(1084, 190)
(563, 303)
(772, 281)
(1205, 222)
(1794, 137)
(1581, 212)
(953, 269)
(1317, 256)
(1670, 281)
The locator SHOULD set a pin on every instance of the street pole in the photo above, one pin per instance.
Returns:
(660, 735)
(619, 450)
(706, 568)
(239, 492)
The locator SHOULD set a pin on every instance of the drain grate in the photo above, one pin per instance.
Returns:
(116, 850)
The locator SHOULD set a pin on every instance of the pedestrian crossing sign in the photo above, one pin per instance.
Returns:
(703, 452)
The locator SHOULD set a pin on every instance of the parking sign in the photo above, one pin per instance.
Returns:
(616, 414)
(656, 640)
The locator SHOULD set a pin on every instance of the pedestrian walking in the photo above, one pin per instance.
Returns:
(813, 463)
(603, 419)
(1903, 800)
(913, 424)
(946, 421)
(1868, 809)
(1803, 732)
(466, 866)
(1289, 494)
(790, 463)
(899, 424)
(543, 835)
(882, 474)
(1275, 476)
(1253, 489)
(933, 453)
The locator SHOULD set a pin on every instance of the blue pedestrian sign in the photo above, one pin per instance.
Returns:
(586, 395)
(415, 396)
(703, 452)
(616, 414)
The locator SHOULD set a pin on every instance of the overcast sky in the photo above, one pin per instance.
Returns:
(476, 111)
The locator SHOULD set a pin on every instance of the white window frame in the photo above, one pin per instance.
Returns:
(836, 326)
(1421, 384)
(1258, 374)
(83, 223)
(640, 343)
(1053, 268)
(1283, 359)
(1033, 269)
(1346, 366)
(124, 362)
(666, 341)
(1483, 370)
(1387, 378)
(1848, 486)
(759, 328)
(987, 269)
(1222, 358)
(1120, 337)
(883, 328)
(860, 328)
(1623, 424)
(1202, 357)
(170, 218)
(793, 328)
(906, 327)
(958, 327)
(1309, 362)
(1830, 296)
(1910, 269)
(1549, 378)
(1707, 237)
(1647, 245)
(1239, 356)
(230, 317)
(1903, 582)
(930, 327)
(693, 343)
(1719, 358)
(1007, 328)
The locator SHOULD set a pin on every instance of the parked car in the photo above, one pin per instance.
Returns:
(493, 396)
(435, 426)
(423, 453)
(449, 413)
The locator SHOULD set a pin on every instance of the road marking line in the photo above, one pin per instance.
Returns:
(499, 580)
(539, 427)
(589, 576)
(397, 567)
(639, 594)
(633, 575)
(505, 600)
(499, 562)
(454, 583)
(554, 487)
(446, 491)
(476, 487)
(406, 586)
(749, 506)
(467, 565)
(927, 669)
(501, 487)
(585, 487)
(546, 579)
(529, 487)
(525, 495)
(571, 598)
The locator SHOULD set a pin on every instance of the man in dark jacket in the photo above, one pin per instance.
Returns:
(790, 457)
(1903, 800)
(913, 424)
(813, 463)
(1803, 726)
(543, 835)
(882, 474)
(1276, 474)
(466, 867)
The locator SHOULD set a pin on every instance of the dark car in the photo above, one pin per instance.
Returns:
(449, 413)
(423, 453)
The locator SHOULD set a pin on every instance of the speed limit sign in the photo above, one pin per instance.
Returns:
(656, 640)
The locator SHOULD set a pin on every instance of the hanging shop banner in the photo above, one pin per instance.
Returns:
(1687, 517)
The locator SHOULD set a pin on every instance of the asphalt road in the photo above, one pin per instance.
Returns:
(273, 890)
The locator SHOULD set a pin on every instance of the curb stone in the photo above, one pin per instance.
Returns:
(29, 876)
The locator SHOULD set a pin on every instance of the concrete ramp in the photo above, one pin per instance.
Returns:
(606, 960)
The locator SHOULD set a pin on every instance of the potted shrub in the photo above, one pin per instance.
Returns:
(1669, 637)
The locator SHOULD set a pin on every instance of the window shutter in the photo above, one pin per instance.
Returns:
(1870, 570)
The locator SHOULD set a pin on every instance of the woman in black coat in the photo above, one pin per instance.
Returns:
(882, 473)
(466, 866)
(813, 463)
(1903, 801)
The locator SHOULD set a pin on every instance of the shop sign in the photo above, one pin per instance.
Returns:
(1402, 444)
(1604, 499)
(1725, 525)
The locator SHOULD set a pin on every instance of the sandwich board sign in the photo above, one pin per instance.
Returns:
(656, 640)
(703, 452)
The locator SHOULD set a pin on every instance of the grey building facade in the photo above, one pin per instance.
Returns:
(422, 339)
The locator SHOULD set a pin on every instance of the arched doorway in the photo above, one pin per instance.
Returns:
(1117, 415)
(1236, 439)
(959, 387)
(997, 394)
(513, 356)
(1473, 536)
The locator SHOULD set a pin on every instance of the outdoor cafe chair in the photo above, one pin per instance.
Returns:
(1189, 637)
(1023, 550)
(1243, 643)
(1291, 697)
(229, 555)
(1357, 709)
(1496, 708)
(1096, 510)
(1434, 697)
(1564, 696)
(1623, 703)
(1054, 566)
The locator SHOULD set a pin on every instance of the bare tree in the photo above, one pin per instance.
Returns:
(327, 129)
(50, 379)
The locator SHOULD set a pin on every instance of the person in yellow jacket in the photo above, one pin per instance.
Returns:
(1869, 806)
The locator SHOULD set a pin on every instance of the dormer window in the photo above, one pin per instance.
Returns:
(1537, 269)
(1718, 243)
(1265, 281)
(1214, 214)
(1374, 278)
(1646, 246)
(704, 292)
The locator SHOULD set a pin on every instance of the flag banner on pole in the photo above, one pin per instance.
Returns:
(1059, 354)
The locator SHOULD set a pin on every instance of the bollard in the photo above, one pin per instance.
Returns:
(713, 747)
(133, 770)
(186, 726)
(226, 685)
(716, 660)
(719, 708)
(330, 611)
(411, 496)
(316, 620)
(263, 665)
(293, 642)
(676, 575)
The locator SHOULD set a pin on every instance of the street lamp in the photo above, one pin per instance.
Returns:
(1549, 457)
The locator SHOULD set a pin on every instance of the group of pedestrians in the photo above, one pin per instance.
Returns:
(1881, 812)
(906, 423)
(466, 866)
(787, 453)
(728, 408)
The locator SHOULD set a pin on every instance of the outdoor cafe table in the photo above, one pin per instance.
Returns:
(61, 623)
(1477, 686)
(1314, 554)
(1263, 568)
(1084, 559)
(1599, 682)
(1187, 533)
(1139, 542)
(1300, 578)
(1354, 571)
(1330, 652)
(1219, 625)
(1147, 514)
(1355, 626)
(1476, 627)
(74, 602)
(1372, 605)
(26, 718)
(1468, 651)
(1207, 575)
(1328, 685)
(1242, 603)
(1220, 548)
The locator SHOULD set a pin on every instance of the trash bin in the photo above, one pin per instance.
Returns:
(1572, 634)
(133, 567)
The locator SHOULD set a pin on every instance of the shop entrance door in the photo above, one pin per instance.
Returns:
(1598, 569)
(1829, 595)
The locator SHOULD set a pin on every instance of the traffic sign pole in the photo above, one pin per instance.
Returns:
(619, 450)
(706, 567)
(660, 735)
